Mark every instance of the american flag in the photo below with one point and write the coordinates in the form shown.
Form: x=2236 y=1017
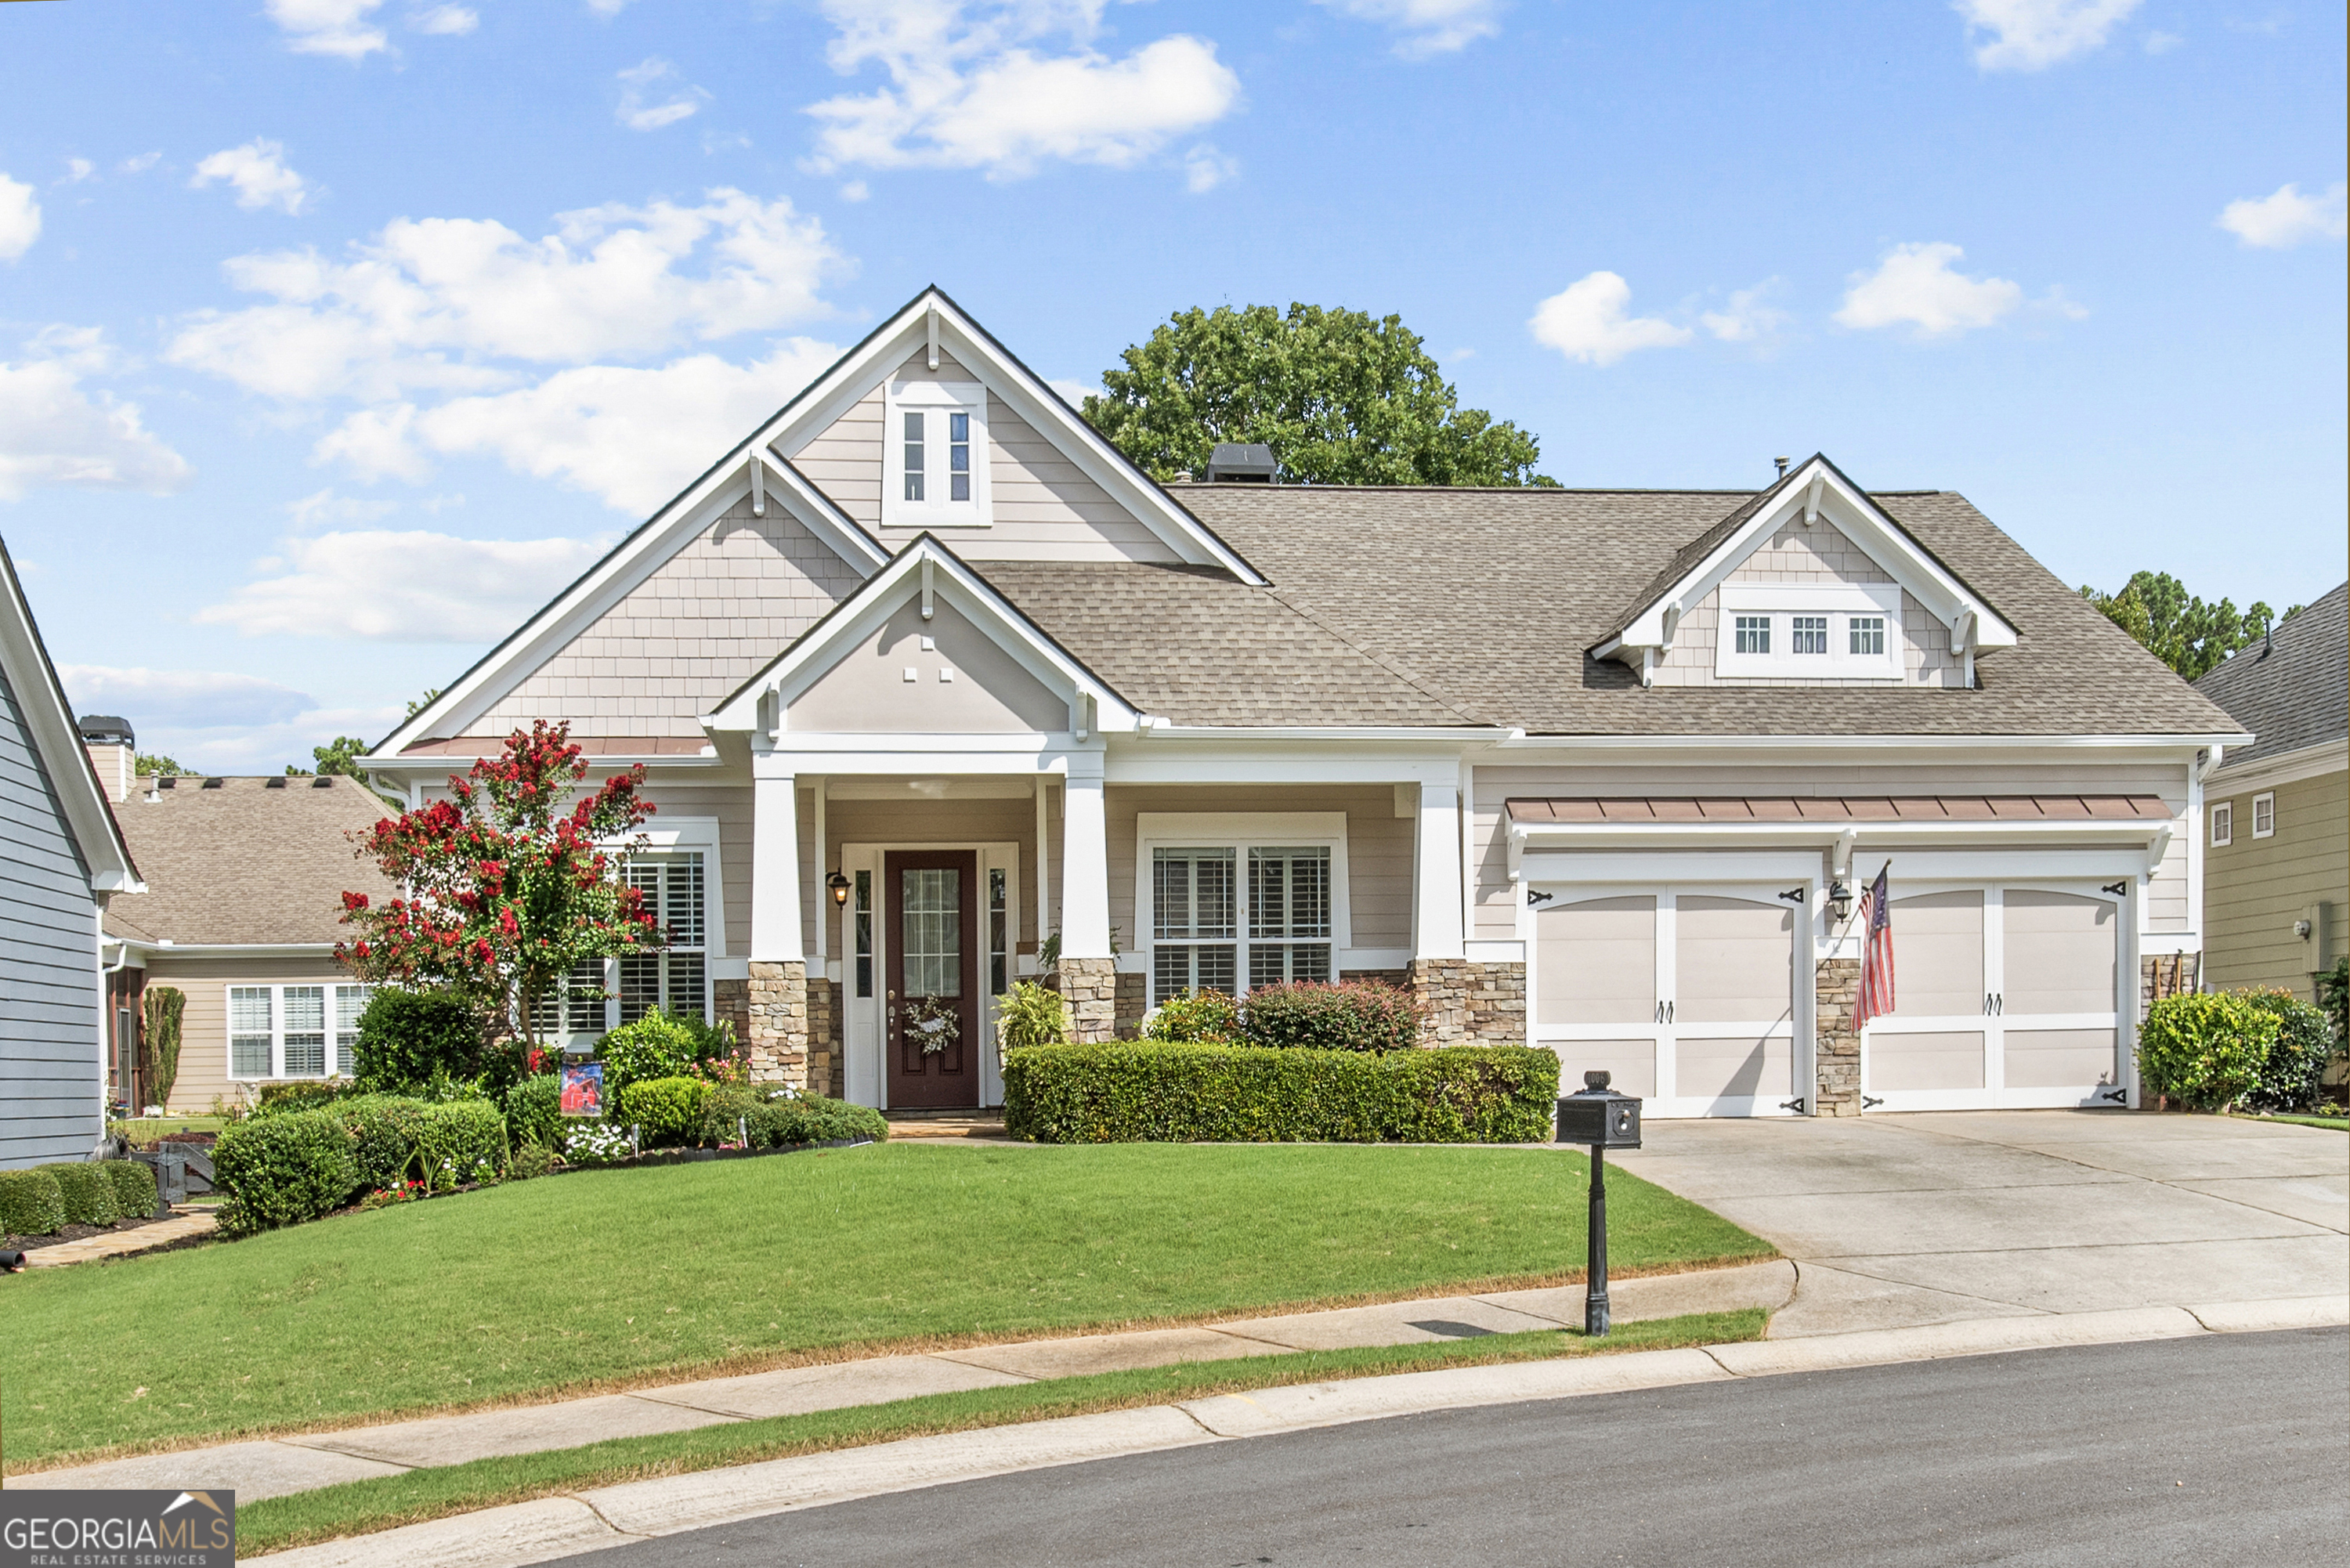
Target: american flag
x=1876 y=951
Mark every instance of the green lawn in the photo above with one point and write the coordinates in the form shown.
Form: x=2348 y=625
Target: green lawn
x=358 y=1508
x=2331 y=1124
x=616 y=1277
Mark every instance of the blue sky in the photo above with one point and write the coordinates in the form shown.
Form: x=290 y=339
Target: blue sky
x=335 y=335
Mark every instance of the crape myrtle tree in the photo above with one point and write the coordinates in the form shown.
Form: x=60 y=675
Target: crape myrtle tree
x=507 y=890
x=1341 y=397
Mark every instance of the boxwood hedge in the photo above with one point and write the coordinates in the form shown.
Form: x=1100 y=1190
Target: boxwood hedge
x=1138 y=1092
x=30 y=1203
x=283 y=1169
x=780 y=1121
x=88 y=1194
x=134 y=1186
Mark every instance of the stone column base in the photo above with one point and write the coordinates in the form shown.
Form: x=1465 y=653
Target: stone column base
x=1470 y=1004
x=730 y=1001
x=778 y=1035
x=1835 y=993
x=1090 y=988
x=825 y=1064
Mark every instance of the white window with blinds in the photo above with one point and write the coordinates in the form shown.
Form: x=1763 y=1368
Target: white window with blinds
x=936 y=455
x=1232 y=903
x=678 y=876
x=294 y=1030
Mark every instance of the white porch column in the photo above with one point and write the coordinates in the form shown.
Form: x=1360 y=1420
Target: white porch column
x=1436 y=874
x=1085 y=864
x=775 y=933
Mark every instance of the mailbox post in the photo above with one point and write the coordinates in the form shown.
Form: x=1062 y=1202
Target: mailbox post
x=1600 y=1119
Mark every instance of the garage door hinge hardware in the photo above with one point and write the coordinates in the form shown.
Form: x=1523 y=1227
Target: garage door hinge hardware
x=1796 y=1106
x=1534 y=898
x=2118 y=1094
x=1869 y=1100
x=2118 y=889
x=1795 y=895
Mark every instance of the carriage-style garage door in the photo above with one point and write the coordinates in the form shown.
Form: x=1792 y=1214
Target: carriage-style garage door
x=2007 y=994
x=1685 y=995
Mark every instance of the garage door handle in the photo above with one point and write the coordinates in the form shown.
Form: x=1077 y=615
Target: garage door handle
x=1664 y=1012
x=1993 y=1004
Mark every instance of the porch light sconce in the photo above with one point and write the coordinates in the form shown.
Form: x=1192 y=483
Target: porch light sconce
x=1534 y=899
x=1795 y=895
x=1839 y=900
x=839 y=885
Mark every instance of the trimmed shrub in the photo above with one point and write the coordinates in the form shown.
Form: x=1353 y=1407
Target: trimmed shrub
x=1208 y=1015
x=1201 y=1092
x=461 y=1143
x=2295 y=1066
x=88 y=1191
x=667 y=1111
x=281 y=1170
x=414 y=1040
x=655 y=1046
x=383 y=1129
x=30 y=1203
x=135 y=1193
x=780 y=1120
x=2205 y=1049
x=299 y=1095
x=1353 y=1015
x=534 y=1113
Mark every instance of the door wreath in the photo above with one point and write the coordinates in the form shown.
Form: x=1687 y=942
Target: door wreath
x=934 y=1022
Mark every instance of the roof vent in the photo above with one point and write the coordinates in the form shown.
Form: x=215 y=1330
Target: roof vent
x=166 y=781
x=324 y=781
x=1239 y=462
x=1782 y=466
x=278 y=783
x=215 y=783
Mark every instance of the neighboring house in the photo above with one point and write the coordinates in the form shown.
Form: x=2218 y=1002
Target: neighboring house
x=61 y=861
x=2276 y=868
x=241 y=913
x=932 y=687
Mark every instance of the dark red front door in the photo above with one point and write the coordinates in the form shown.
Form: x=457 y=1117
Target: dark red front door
x=932 y=1004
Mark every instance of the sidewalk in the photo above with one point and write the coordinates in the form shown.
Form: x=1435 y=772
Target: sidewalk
x=186 y=1220
x=275 y=1466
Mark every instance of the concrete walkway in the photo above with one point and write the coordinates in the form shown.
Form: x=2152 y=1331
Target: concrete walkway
x=272 y=1467
x=1897 y=1220
x=186 y=1220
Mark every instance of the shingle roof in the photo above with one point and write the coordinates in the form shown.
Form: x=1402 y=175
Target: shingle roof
x=1196 y=645
x=245 y=863
x=2294 y=691
x=1485 y=600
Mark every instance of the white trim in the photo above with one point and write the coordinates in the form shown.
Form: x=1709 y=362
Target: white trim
x=2222 y=814
x=863 y=1074
x=2284 y=768
x=2264 y=803
x=1778 y=604
x=936 y=509
x=1242 y=831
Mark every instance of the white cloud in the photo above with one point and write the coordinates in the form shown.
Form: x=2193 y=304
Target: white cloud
x=78 y=169
x=1586 y=321
x=855 y=191
x=323 y=507
x=428 y=303
x=181 y=699
x=53 y=432
x=140 y=164
x=631 y=437
x=1204 y=169
x=1916 y=286
x=2033 y=35
x=447 y=21
x=337 y=28
x=1074 y=392
x=259 y=174
x=1746 y=319
x=967 y=91
x=607 y=8
x=2288 y=218
x=401 y=587
x=640 y=84
x=1429 y=26
x=2162 y=43
x=20 y=218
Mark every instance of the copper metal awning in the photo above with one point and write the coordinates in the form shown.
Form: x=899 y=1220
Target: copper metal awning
x=1813 y=811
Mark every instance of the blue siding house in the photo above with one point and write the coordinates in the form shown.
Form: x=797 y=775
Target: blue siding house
x=61 y=858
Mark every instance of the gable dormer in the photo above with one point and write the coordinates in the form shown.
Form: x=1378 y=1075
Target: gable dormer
x=1811 y=583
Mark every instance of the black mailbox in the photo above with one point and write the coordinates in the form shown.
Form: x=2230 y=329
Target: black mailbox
x=1599 y=1116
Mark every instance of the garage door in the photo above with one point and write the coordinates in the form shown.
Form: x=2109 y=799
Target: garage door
x=2008 y=994
x=1685 y=995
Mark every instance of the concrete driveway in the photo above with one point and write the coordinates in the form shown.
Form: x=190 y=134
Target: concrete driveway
x=1897 y=1221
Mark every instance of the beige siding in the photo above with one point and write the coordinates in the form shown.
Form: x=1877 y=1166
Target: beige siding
x=204 y=1024
x=2255 y=888
x=967 y=685
x=1820 y=553
x=1042 y=505
x=708 y=618
x=1496 y=911
x=1378 y=848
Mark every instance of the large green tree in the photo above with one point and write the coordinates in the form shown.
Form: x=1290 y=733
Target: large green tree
x=2183 y=632
x=1341 y=398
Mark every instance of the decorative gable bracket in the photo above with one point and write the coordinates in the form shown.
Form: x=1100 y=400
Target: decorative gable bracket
x=1814 y=492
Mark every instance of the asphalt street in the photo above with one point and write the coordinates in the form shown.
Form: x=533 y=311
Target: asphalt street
x=2225 y=1450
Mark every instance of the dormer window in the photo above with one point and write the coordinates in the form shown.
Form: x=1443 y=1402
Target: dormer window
x=1809 y=630
x=936 y=455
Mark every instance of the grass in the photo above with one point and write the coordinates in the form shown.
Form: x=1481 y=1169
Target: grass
x=617 y=1279
x=2335 y=1123
x=146 y=1129
x=362 y=1507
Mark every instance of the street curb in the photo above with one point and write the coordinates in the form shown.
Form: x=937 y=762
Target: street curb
x=552 y=1527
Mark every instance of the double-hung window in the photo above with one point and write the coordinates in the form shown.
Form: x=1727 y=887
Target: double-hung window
x=1233 y=917
x=675 y=979
x=294 y=1030
x=2223 y=823
x=937 y=455
x=2264 y=815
